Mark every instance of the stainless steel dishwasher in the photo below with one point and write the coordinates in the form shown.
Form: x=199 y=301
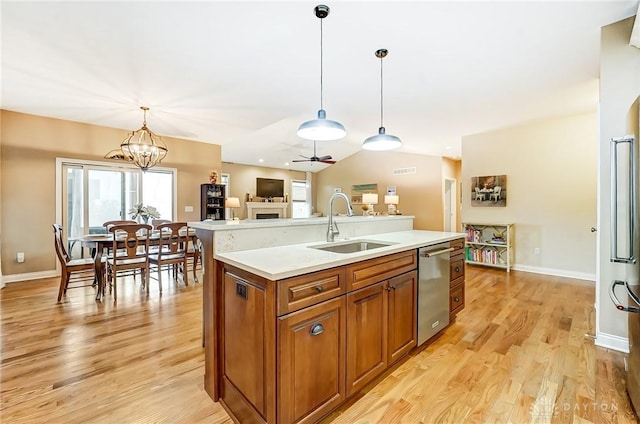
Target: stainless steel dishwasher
x=433 y=290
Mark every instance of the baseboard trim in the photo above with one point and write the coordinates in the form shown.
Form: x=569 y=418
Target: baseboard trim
x=610 y=341
x=16 y=278
x=556 y=272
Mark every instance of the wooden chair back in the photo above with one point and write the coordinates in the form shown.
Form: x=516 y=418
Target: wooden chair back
x=136 y=239
x=109 y=224
x=61 y=251
x=172 y=249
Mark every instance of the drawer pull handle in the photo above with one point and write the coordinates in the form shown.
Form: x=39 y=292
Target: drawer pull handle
x=457 y=269
x=317 y=329
x=457 y=299
x=319 y=289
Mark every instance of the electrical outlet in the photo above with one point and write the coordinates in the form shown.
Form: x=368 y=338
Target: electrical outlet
x=536 y=251
x=20 y=257
x=188 y=208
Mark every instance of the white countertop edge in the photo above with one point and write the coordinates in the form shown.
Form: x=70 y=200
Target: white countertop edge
x=286 y=222
x=276 y=263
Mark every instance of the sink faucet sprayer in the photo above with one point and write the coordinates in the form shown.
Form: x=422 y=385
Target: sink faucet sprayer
x=331 y=232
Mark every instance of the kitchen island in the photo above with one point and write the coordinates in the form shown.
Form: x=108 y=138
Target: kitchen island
x=278 y=316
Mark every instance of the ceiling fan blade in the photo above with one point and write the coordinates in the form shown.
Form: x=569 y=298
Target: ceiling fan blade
x=330 y=162
x=306 y=157
x=301 y=160
x=323 y=158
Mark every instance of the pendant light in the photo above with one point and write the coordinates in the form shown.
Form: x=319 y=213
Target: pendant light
x=144 y=147
x=381 y=141
x=321 y=129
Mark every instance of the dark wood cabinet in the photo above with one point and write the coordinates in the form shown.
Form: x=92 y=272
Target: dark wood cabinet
x=367 y=330
x=292 y=350
x=456 y=283
x=311 y=350
x=212 y=201
x=402 y=310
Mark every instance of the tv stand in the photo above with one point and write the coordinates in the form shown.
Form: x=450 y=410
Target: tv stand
x=255 y=208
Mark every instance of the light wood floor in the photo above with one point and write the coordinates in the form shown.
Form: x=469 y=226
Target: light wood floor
x=517 y=353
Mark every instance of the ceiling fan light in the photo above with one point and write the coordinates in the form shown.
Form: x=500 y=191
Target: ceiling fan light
x=381 y=141
x=321 y=129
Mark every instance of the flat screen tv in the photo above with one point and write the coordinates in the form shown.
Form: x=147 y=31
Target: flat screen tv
x=268 y=187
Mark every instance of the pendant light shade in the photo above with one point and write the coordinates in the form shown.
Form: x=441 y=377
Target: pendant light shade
x=144 y=147
x=381 y=141
x=321 y=129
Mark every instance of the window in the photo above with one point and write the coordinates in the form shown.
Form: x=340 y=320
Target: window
x=94 y=192
x=300 y=207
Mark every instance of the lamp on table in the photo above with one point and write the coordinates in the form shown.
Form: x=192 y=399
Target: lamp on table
x=232 y=203
x=391 y=200
x=370 y=199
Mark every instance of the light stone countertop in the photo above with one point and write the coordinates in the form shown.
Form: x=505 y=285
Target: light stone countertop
x=275 y=263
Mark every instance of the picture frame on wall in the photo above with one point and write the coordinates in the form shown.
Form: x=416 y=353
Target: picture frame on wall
x=489 y=191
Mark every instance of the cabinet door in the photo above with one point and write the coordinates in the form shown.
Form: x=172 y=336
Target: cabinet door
x=402 y=315
x=311 y=358
x=367 y=335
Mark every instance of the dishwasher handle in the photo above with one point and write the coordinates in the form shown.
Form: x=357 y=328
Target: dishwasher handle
x=437 y=252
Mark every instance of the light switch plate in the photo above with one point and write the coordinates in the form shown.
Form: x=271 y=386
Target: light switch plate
x=188 y=208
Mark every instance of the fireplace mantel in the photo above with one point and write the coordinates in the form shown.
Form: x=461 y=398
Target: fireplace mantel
x=255 y=208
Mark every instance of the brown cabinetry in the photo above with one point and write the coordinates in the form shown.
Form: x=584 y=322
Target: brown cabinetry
x=292 y=350
x=212 y=201
x=311 y=349
x=456 y=285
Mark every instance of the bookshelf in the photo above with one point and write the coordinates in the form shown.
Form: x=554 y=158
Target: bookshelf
x=489 y=244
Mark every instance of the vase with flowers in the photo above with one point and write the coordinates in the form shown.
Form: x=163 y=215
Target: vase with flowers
x=142 y=213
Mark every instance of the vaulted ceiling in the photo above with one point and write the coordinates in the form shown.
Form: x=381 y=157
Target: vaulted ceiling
x=246 y=74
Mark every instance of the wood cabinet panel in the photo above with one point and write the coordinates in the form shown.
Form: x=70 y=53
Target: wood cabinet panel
x=456 y=265
x=247 y=348
x=402 y=309
x=312 y=361
x=367 y=330
x=456 y=299
x=371 y=271
x=305 y=290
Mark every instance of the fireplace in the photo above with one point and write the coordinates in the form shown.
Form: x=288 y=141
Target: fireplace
x=267 y=215
x=264 y=210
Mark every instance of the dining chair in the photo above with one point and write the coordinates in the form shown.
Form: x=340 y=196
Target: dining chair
x=131 y=241
x=194 y=255
x=172 y=250
x=479 y=194
x=73 y=270
x=496 y=193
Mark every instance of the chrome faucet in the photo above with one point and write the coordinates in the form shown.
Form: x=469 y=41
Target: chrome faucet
x=331 y=232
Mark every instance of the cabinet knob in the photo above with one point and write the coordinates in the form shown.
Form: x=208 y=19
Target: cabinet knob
x=316 y=330
x=457 y=299
x=319 y=289
x=457 y=269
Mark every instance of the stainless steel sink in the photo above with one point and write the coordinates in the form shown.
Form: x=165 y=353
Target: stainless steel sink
x=352 y=246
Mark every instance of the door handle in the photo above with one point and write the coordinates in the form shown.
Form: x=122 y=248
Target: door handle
x=593 y=229
x=316 y=330
x=437 y=252
x=632 y=295
x=631 y=258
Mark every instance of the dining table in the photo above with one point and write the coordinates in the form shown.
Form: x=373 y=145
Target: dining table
x=98 y=243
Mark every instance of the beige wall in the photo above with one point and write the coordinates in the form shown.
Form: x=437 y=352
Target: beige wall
x=421 y=194
x=29 y=146
x=619 y=87
x=242 y=181
x=551 y=168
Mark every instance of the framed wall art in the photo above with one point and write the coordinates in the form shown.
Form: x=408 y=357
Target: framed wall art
x=490 y=191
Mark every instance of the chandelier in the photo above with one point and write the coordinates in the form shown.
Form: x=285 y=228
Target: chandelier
x=143 y=147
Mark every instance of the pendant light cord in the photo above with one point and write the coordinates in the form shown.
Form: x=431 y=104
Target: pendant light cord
x=381 y=102
x=321 y=66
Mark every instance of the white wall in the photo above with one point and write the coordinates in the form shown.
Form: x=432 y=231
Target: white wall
x=551 y=191
x=619 y=87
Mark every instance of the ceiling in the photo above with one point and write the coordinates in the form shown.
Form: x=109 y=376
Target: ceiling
x=246 y=74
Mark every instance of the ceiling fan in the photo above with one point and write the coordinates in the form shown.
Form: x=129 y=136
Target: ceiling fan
x=315 y=158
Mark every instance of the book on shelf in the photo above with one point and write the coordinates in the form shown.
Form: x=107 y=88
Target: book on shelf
x=498 y=241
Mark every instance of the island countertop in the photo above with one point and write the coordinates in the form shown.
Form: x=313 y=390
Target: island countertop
x=275 y=263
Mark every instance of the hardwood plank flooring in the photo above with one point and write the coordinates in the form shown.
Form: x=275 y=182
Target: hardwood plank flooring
x=516 y=354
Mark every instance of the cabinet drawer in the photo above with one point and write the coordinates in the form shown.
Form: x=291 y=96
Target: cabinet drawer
x=458 y=247
x=456 y=268
x=365 y=273
x=305 y=290
x=456 y=299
